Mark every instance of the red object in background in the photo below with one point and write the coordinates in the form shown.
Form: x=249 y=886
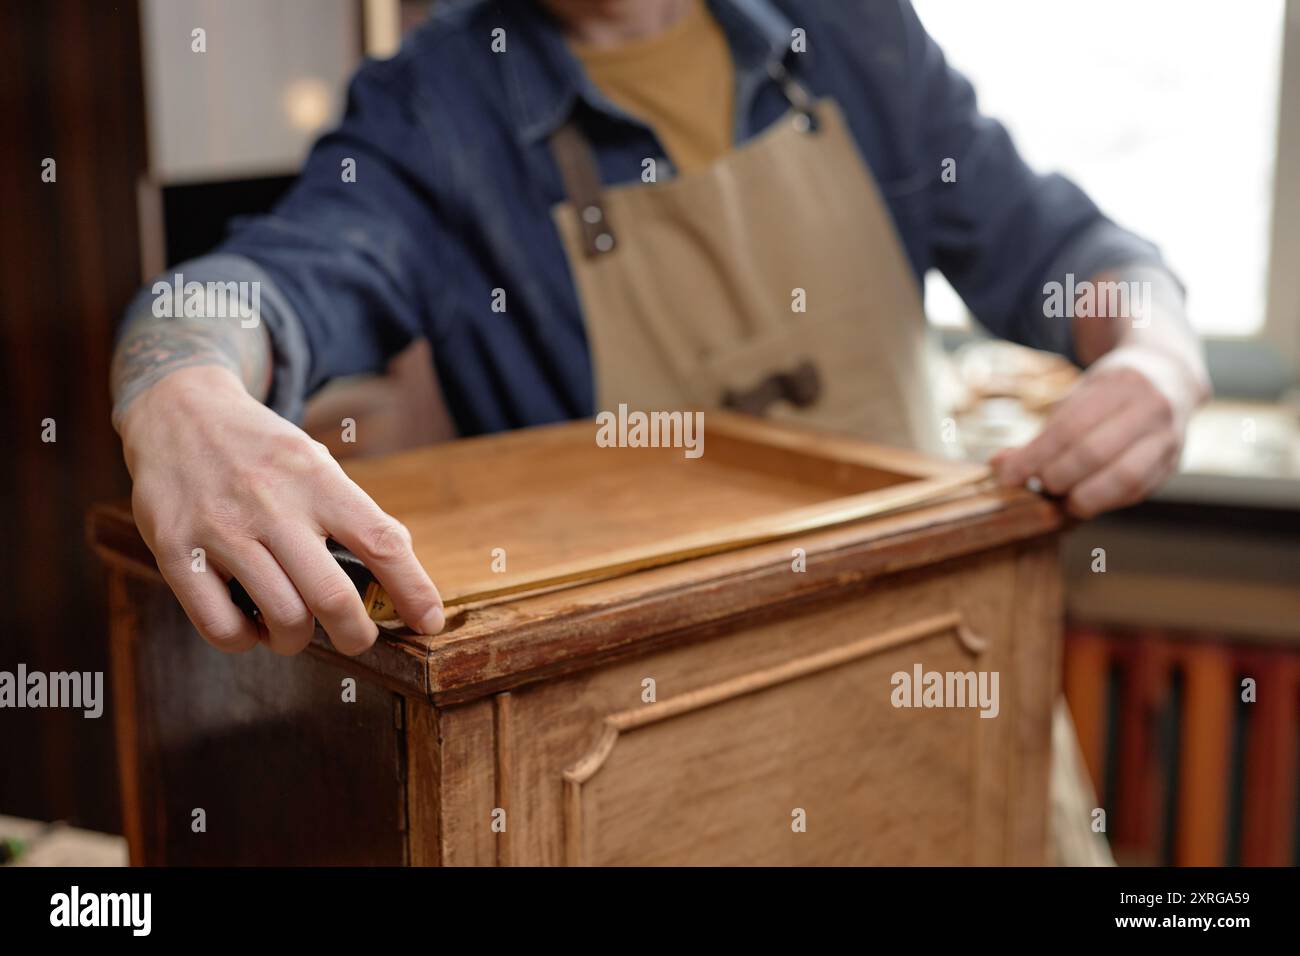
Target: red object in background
x=1188 y=772
x=1272 y=777
x=1205 y=745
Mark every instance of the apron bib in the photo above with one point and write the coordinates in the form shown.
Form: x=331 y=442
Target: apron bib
x=772 y=282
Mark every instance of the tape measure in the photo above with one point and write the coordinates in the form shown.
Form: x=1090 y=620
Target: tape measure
x=379 y=606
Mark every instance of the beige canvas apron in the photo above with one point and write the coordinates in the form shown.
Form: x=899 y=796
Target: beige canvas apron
x=772 y=282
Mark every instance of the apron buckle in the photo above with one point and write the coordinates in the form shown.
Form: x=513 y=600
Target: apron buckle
x=801 y=386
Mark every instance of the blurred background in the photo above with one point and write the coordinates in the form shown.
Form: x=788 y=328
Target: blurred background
x=1182 y=120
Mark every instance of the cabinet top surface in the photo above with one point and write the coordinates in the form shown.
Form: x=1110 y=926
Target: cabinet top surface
x=543 y=534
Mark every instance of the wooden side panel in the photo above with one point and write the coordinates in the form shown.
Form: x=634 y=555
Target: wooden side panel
x=1035 y=661
x=795 y=714
x=453 y=782
x=423 y=780
x=285 y=770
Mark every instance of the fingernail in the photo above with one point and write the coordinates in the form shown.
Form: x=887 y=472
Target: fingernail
x=433 y=621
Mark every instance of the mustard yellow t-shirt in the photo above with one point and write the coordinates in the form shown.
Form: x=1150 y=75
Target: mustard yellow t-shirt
x=680 y=82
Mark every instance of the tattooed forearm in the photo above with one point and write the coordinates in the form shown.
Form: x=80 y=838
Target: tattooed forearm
x=153 y=347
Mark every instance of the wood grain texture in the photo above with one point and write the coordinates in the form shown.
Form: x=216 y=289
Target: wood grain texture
x=499 y=646
x=610 y=511
x=791 y=712
x=467 y=785
x=1036 y=627
x=71 y=91
x=285 y=769
x=732 y=728
x=423 y=785
x=495 y=645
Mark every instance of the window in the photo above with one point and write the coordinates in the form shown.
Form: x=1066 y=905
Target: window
x=1165 y=111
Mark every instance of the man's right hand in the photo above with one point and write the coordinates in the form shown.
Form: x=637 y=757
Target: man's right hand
x=215 y=469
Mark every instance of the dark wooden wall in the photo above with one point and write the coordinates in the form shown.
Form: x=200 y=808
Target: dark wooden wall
x=69 y=261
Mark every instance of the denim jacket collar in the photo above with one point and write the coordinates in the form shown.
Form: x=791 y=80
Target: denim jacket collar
x=545 y=79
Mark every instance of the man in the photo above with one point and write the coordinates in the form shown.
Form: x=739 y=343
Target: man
x=585 y=202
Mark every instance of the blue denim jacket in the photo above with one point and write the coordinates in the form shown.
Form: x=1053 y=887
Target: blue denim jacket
x=455 y=182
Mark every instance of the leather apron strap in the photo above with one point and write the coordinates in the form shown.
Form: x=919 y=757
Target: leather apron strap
x=580 y=172
x=577 y=163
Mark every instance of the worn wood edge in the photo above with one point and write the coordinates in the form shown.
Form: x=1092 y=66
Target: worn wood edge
x=839 y=446
x=964 y=508
x=398 y=661
x=452 y=667
x=725 y=538
x=535 y=639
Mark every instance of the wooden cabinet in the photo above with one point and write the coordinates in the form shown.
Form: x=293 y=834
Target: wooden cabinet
x=680 y=661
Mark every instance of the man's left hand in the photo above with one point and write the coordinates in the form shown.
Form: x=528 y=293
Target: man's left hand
x=1109 y=444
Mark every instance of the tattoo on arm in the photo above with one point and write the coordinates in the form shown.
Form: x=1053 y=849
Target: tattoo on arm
x=153 y=347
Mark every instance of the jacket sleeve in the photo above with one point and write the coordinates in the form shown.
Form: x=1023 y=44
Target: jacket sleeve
x=348 y=257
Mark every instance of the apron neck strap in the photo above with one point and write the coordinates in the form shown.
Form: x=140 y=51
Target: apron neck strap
x=577 y=163
x=581 y=175
x=795 y=92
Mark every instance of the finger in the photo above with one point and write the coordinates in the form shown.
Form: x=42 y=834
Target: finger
x=281 y=609
x=384 y=545
x=1079 y=414
x=1096 y=449
x=1129 y=479
x=206 y=601
x=326 y=589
